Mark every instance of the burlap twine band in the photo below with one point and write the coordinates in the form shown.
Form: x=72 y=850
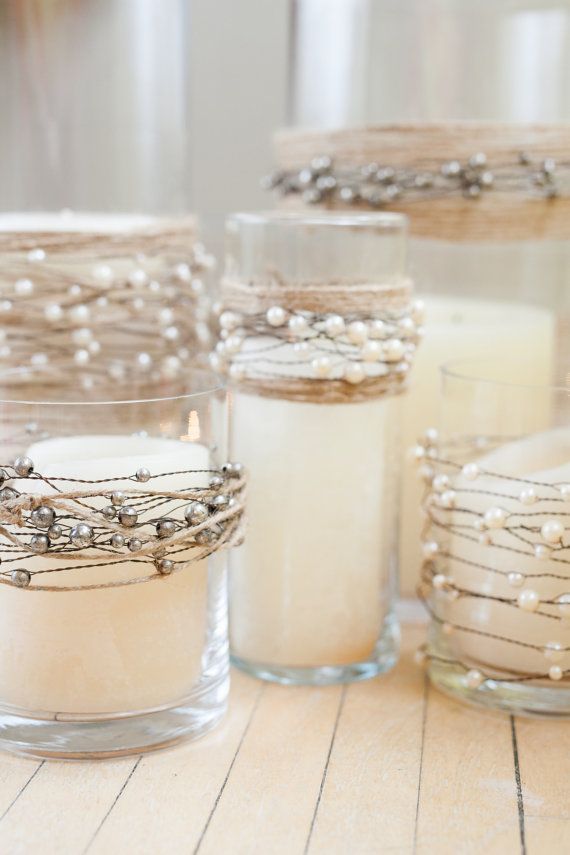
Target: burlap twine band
x=494 y=216
x=250 y=300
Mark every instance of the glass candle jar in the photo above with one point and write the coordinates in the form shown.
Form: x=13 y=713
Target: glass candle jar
x=113 y=621
x=496 y=540
x=317 y=339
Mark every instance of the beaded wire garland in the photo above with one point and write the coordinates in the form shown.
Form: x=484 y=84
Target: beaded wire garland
x=379 y=185
x=101 y=309
x=454 y=515
x=304 y=346
x=129 y=535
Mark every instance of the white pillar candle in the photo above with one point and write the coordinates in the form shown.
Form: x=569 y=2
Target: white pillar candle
x=542 y=458
x=310 y=586
x=460 y=328
x=115 y=649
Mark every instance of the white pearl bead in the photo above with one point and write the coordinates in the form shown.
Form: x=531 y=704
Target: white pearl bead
x=474 y=679
x=407 y=326
x=53 y=312
x=233 y=344
x=138 y=304
x=426 y=473
x=354 y=373
x=221 y=348
x=470 y=471
x=439 y=581
x=144 y=361
x=154 y=286
x=430 y=548
x=527 y=496
x=440 y=483
x=75 y=290
x=102 y=302
x=528 y=600
x=5 y=351
x=371 y=351
x=183 y=273
x=542 y=552
x=554 y=651
x=81 y=357
x=166 y=316
x=82 y=336
x=24 y=287
x=137 y=278
x=5 y=306
x=171 y=366
x=229 y=320
x=376 y=329
x=37 y=254
x=485 y=539
x=447 y=499
x=418 y=311
x=495 y=518
x=334 y=325
x=276 y=316
x=171 y=333
x=394 y=350
x=321 y=366
x=432 y=435
x=39 y=359
x=79 y=313
x=298 y=325
x=552 y=531
x=515 y=580
x=479 y=524
x=565 y=491
x=301 y=349
x=237 y=371
x=94 y=348
x=357 y=332
x=555 y=672
x=563 y=603
x=103 y=274
x=418 y=452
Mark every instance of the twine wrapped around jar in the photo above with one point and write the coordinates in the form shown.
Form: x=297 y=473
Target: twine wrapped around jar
x=456 y=181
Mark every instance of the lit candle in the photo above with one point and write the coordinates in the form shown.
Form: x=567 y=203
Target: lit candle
x=112 y=649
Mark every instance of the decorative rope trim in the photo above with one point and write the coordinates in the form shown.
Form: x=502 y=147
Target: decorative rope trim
x=108 y=529
x=93 y=310
x=515 y=185
x=309 y=352
x=514 y=521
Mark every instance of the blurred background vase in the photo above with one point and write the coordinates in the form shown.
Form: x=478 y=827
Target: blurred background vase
x=499 y=65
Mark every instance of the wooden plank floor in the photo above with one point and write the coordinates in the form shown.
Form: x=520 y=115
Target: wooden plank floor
x=388 y=765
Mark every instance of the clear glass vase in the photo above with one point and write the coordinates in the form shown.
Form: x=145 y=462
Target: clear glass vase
x=113 y=625
x=497 y=540
x=312 y=589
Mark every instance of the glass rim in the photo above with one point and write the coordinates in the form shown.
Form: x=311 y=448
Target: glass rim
x=209 y=389
x=452 y=370
x=385 y=219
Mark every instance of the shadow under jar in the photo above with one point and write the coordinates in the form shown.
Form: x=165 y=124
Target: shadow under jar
x=496 y=574
x=317 y=338
x=113 y=612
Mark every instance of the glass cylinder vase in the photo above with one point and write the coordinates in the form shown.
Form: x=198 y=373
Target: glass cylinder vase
x=317 y=337
x=496 y=540
x=114 y=518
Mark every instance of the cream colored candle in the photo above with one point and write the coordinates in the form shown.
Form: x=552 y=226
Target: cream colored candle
x=516 y=575
x=460 y=328
x=116 y=649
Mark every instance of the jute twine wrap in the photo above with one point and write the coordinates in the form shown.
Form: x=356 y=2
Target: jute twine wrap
x=347 y=299
x=492 y=217
x=92 y=309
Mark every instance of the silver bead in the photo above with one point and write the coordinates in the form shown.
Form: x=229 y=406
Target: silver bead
x=216 y=481
x=165 y=566
x=128 y=516
x=220 y=502
x=117 y=541
x=54 y=532
x=233 y=470
x=205 y=537
x=21 y=578
x=81 y=535
x=42 y=517
x=117 y=498
x=142 y=474
x=7 y=494
x=23 y=466
x=135 y=544
x=196 y=513
x=39 y=543
x=165 y=528
x=109 y=512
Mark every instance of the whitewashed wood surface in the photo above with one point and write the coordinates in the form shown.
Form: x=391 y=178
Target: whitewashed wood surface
x=388 y=765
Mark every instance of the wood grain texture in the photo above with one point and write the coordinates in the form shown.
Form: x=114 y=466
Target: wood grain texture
x=388 y=765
